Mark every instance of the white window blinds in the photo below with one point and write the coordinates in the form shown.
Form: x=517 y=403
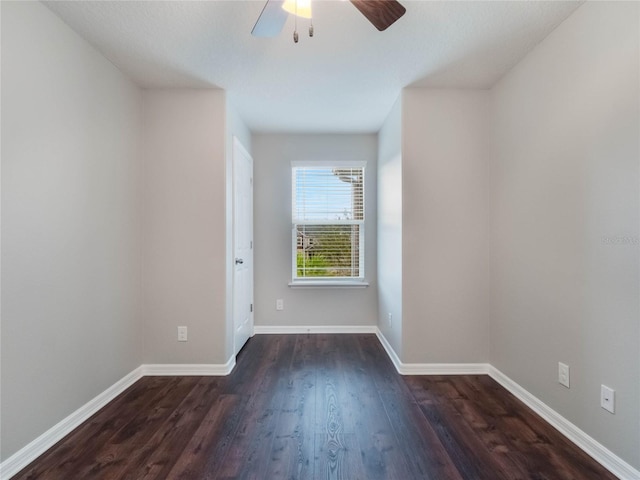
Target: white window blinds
x=328 y=222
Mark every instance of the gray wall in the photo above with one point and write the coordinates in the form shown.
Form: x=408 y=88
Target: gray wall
x=71 y=271
x=273 y=154
x=390 y=228
x=184 y=225
x=445 y=213
x=563 y=205
x=564 y=197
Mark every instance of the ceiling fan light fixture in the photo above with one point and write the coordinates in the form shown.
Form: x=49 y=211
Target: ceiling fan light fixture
x=300 y=8
x=380 y=13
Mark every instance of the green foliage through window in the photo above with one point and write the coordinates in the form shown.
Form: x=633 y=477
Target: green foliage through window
x=328 y=250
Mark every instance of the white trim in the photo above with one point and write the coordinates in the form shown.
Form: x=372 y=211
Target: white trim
x=48 y=439
x=296 y=222
x=186 y=370
x=445 y=369
x=589 y=445
x=238 y=147
x=297 y=329
x=329 y=163
x=431 y=368
x=389 y=349
x=37 y=447
x=329 y=283
x=592 y=447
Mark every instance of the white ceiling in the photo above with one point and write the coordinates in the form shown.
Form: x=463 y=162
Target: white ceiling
x=344 y=79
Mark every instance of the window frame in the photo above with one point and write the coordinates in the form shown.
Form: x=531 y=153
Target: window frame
x=348 y=281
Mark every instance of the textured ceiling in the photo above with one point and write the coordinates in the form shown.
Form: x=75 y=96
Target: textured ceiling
x=344 y=79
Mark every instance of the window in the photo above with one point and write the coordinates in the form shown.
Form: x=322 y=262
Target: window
x=328 y=222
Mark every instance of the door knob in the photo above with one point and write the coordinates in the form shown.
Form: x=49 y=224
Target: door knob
x=239 y=261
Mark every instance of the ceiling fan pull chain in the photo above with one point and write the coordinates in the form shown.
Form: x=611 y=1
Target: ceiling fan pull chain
x=295 y=25
x=311 y=27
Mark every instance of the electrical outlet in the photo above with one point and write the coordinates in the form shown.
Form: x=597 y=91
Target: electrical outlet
x=607 y=398
x=182 y=334
x=390 y=318
x=279 y=304
x=563 y=374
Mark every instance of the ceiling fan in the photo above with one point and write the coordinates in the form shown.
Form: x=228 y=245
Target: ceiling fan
x=381 y=13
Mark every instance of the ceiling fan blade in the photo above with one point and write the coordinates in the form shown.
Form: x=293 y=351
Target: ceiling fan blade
x=382 y=13
x=271 y=19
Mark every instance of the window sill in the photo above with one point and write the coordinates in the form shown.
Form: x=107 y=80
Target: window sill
x=328 y=284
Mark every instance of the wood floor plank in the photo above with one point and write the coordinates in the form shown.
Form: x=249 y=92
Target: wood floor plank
x=203 y=455
x=380 y=453
x=123 y=451
x=376 y=364
x=332 y=454
x=159 y=453
x=494 y=417
x=300 y=407
x=479 y=449
x=471 y=456
x=104 y=463
x=337 y=458
x=293 y=448
x=546 y=448
x=426 y=456
x=248 y=455
x=333 y=412
x=74 y=453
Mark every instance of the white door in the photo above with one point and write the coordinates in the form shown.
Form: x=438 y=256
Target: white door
x=242 y=245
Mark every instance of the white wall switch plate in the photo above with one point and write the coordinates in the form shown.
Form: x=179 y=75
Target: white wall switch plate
x=607 y=398
x=279 y=304
x=563 y=374
x=182 y=334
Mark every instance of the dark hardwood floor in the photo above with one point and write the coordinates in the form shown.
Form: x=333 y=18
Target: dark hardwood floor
x=315 y=407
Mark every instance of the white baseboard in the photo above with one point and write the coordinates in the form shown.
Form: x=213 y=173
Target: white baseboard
x=37 y=447
x=444 y=369
x=195 y=370
x=431 y=368
x=599 y=452
x=297 y=329
x=592 y=447
x=393 y=356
